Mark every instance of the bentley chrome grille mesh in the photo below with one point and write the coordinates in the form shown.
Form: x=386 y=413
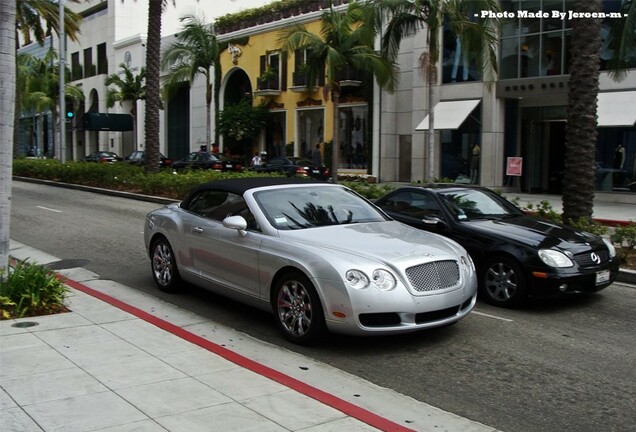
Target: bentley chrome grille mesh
x=436 y=275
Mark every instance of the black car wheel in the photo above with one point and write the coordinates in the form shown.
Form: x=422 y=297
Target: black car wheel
x=164 y=266
x=298 y=310
x=503 y=282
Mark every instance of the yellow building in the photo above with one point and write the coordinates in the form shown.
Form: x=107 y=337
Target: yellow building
x=253 y=66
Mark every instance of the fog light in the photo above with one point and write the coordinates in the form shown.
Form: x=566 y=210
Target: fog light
x=563 y=288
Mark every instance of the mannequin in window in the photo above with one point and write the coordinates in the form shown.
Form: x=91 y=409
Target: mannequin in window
x=463 y=55
x=619 y=157
x=474 y=164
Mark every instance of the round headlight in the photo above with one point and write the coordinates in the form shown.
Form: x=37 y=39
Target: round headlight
x=555 y=258
x=610 y=246
x=383 y=280
x=357 y=279
x=468 y=262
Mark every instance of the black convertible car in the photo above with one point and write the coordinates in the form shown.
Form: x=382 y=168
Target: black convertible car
x=517 y=255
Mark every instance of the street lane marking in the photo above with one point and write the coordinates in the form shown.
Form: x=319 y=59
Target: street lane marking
x=492 y=316
x=49 y=209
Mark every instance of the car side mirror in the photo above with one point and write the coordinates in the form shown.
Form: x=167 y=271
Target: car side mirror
x=434 y=220
x=236 y=222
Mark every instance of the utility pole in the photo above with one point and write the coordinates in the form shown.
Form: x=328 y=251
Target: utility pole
x=61 y=70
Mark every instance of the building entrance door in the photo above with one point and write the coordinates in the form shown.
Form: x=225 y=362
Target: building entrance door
x=545 y=153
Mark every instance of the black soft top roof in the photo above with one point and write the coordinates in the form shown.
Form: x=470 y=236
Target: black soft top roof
x=240 y=185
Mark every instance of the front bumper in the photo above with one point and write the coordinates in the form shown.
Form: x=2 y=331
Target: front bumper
x=584 y=282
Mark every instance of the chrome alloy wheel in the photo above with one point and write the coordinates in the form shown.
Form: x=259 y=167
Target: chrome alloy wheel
x=162 y=263
x=294 y=308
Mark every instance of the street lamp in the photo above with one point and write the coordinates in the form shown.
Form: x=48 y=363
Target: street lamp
x=61 y=69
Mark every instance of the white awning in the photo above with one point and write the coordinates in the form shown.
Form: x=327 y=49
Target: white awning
x=450 y=114
x=616 y=109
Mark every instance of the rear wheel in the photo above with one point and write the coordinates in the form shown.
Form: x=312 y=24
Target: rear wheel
x=298 y=310
x=164 y=265
x=503 y=282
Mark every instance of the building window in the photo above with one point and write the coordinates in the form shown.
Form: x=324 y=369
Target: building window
x=355 y=143
x=76 y=67
x=102 y=61
x=532 y=47
x=301 y=72
x=310 y=130
x=89 y=67
x=458 y=161
x=273 y=71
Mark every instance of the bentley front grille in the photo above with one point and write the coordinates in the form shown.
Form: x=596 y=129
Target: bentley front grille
x=436 y=275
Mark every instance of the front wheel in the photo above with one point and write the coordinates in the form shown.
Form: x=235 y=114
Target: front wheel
x=164 y=265
x=503 y=282
x=298 y=310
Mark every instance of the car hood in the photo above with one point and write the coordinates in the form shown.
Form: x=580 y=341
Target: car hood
x=535 y=232
x=383 y=241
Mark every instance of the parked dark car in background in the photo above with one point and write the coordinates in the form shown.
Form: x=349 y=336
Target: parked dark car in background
x=293 y=167
x=200 y=160
x=103 y=157
x=139 y=158
x=516 y=255
x=229 y=164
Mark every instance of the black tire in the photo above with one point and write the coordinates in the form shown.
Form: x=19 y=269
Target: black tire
x=164 y=266
x=502 y=282
x=297 y=309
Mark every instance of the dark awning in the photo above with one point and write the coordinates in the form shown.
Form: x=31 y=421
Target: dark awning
x=107 y=122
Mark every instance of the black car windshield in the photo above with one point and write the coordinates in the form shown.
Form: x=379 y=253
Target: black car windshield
x=314 y=206
x=471 y=204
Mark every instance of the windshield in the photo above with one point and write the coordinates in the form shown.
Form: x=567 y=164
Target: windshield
x=470 y=204
x=315 y=206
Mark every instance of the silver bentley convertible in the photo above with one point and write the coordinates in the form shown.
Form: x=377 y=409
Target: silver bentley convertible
x=317 y=255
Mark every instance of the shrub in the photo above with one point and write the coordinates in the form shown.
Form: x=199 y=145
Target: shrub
x=624 y=237
x=30 y=290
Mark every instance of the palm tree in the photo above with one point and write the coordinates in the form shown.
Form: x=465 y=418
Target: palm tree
x=408 y=17
x=581 y=133
x=130 y=88
x=345 y=42
x=44 y=89
x=196 y=52
x=153 y=101
x=32 y=14
x=30 y=17
x=7 y=124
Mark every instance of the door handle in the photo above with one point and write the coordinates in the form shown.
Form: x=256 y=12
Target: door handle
x=197 y=230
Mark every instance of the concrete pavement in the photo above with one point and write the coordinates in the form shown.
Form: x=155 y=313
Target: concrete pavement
x=123 y=361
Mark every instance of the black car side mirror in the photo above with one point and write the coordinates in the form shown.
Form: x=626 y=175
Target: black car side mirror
x=434 y=220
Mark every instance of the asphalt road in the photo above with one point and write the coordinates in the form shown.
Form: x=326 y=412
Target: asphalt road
x=565 y=365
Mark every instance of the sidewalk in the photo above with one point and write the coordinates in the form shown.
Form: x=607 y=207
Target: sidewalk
x=124 y=361
x=603 y=211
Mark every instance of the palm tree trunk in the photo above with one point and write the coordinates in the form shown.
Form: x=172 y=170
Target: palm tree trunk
x=581 y=134
x=335 y=147
x=431 y=127
x=208 y=113
x=7 y=123
x=153 y=56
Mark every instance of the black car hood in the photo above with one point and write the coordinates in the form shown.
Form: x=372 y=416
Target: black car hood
x=539 y=233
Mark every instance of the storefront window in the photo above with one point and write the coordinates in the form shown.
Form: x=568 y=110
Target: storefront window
x=460 y=160
x=310 y=130
x=355 y=143
x=616 y=160
x=275 y=136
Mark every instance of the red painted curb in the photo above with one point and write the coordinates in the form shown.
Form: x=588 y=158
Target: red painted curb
x=341 y=405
